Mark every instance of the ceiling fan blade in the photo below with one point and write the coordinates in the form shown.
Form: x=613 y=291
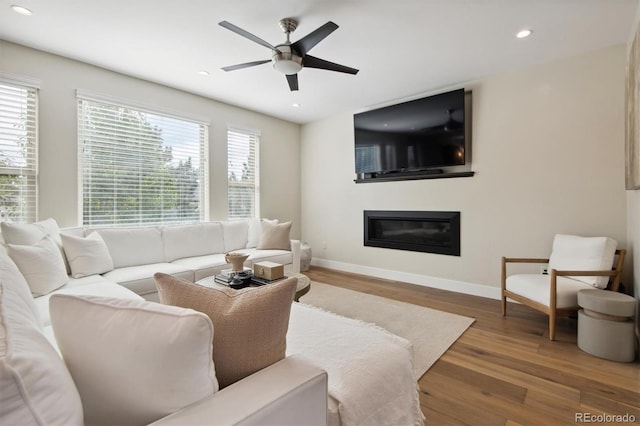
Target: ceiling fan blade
x=245 y=65
x=313 y=62
x=307 y=42
x=245 y=34
x=292 y=79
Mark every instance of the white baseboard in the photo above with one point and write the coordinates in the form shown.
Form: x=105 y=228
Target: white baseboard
x=423 y=280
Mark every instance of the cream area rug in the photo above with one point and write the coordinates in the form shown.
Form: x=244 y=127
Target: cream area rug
x=430 y=331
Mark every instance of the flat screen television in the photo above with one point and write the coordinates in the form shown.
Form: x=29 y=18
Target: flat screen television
x=420 y=135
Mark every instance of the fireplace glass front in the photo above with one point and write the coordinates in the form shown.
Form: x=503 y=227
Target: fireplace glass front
x=424 y=231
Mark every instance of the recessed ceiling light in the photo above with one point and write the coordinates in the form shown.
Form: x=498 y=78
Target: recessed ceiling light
x=203 y=72
x=524 y=33
x=295 y=105
x=21 y=10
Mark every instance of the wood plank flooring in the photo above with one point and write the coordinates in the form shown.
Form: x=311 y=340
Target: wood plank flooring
x=505 y=370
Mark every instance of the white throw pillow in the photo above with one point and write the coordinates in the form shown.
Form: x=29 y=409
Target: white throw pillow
x=87 y=256
x=574 y=253
x=135 y=361
x=27 y=234
x=35 y=385
x=41 y=264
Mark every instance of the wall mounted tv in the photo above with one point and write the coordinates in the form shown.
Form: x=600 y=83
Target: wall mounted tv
x=412 y=140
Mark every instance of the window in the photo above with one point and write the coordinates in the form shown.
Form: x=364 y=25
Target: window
x=243 y=182
x=139 y=167
x=18 y=150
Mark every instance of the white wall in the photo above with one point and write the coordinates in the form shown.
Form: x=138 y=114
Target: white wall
x=548 y=152
x=60 y=77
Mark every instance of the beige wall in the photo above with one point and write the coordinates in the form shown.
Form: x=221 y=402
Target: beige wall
x=60 y=77
x=633 y=216
x=548 y=152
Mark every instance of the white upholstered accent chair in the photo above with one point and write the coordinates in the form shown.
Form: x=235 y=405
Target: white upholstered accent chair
x=575 y=263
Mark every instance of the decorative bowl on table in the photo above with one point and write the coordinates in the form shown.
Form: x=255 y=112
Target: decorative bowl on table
x=236 y=260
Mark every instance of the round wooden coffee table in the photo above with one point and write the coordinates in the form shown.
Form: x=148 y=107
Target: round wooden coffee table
x=303 y=287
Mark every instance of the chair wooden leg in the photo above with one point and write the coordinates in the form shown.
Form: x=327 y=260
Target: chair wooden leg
x=552 y=326
x=503 y=286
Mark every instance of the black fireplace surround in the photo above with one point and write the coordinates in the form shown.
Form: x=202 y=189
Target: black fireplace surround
x=424 y=231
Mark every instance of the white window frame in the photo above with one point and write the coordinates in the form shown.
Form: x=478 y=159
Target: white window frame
x=20 y=96
x=96 y=100
x=243 y=145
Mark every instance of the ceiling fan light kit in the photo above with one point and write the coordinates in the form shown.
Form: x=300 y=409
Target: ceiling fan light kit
x=285 y=61
x=289 y=58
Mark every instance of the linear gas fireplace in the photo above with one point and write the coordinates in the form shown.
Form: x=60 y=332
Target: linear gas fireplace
x=425 y=231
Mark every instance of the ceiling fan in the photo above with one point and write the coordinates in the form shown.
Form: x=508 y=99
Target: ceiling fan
x=289 y=58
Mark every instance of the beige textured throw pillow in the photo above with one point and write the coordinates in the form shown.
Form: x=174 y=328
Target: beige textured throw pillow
x=250 y=325
x=275 y=236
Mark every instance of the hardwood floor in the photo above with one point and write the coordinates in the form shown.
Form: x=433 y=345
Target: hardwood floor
x=505 y=370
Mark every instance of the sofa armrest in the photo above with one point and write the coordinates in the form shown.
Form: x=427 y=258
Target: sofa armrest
x=290 y=392
x=295 y=256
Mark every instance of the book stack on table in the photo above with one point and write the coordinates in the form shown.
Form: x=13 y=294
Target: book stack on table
x=226 y=275
x=262 y=281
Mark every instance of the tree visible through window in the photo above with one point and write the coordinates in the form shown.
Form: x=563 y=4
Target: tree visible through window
x=243 y=182
x=18 y=152
x=140 y=168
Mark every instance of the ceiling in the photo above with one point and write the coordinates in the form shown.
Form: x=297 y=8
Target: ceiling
x=402 y=48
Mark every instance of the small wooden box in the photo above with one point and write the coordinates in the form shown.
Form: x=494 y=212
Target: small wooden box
x=268 y=270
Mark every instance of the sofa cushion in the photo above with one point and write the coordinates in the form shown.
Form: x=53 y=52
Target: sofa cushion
x=102 y=287
x=41 y=264
x=283 y=257
x=87 y=256
x=10 y=275
x=275 y=236
x=250 y=324
x=203 y=266
x=133 y=246
x=27 y=234
x=36 y=387
x=574 y=253
x=135 y=361
x=139 y=279
x=197 y=239
x=236 y=233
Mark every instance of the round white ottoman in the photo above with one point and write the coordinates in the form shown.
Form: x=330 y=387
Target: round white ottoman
x=605 y=324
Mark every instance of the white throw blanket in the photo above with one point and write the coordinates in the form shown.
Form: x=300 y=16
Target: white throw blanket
x=370 y=370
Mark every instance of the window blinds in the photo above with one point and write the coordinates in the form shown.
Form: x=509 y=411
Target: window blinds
x=139 y=167
x=18 y=152
x=242 y=172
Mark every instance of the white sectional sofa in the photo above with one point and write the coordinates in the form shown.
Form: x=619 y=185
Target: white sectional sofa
x=37 y=389
x=191 y=252
x=332 y=364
